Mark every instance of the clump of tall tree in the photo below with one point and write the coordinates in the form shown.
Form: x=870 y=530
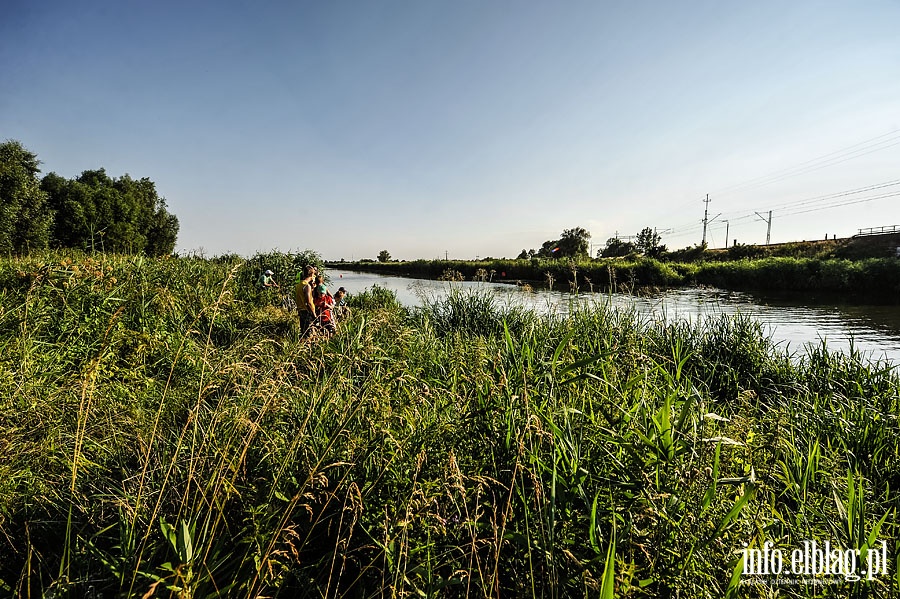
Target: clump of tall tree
x=646 y=242
x=616 y=247
x=573 y=243
x=95 y=211
x=92 y=212
x=25 y=215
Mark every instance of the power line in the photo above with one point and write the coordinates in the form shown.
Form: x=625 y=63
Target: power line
x=839 y=194
x=823 y=202
x=826 y=198
x=821 y=166
x=805 y=206
x=842 y=204
x=677 y=233
x=869 y=146
x=738 y=215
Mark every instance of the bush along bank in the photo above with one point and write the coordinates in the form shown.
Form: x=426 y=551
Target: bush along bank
x=873 y=277
x=165 y=437
x=878 y=277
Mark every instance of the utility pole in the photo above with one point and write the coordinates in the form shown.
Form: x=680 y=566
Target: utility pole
x=768 y=221
x=446 y=253
x=727 y=225
x=705 y=214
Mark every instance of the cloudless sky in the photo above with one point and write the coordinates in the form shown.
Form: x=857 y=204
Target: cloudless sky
x=468 y=127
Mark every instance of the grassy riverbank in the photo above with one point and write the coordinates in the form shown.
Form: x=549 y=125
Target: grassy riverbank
x=873 y=278
x=166 y=433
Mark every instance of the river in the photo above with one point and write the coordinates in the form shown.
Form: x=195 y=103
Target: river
x=793 y=323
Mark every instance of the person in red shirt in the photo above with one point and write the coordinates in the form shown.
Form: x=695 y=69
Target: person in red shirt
x=324 y=305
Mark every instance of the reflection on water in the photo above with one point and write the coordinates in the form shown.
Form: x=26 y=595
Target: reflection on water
x=874 y=330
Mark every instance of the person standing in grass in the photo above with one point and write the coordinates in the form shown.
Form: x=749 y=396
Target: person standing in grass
x=267 y=280
x=267 y=284
x=321 y=289
x=303 y=295
x=325 y=303
x=341 y=309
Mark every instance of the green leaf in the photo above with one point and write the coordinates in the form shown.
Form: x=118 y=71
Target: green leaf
x=711 y=491
x=734 y=584
x=608 y=583
x=592 y=532
x=559 y=349
x=749 y=494
x=584 y=362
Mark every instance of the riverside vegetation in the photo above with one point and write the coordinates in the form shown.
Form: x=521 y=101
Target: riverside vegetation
x=872 y=277
x=166 y=433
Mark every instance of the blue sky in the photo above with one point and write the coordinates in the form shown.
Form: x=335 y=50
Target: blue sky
x=468 y=127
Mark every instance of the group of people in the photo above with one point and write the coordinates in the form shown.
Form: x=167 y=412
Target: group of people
x=316 y=306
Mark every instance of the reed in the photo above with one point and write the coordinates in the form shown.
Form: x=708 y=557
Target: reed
x=166 y=432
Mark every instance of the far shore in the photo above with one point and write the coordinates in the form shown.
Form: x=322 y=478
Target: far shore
x=871 y=278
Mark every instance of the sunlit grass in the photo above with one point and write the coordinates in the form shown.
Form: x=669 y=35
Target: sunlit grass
x=167 y=431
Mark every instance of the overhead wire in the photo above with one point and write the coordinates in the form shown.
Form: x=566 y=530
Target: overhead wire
x=848 y=153
x=806 y=205
x=815 y=200
x=798 y=209
x=842 y=204
x=830 y=196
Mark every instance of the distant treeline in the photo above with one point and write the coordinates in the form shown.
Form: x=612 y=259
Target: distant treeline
x=91 y=212
x=873 y=276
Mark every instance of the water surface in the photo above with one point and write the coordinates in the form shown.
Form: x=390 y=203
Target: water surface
x=793 y=323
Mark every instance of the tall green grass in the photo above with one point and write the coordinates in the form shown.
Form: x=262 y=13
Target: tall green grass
x=168 y=433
